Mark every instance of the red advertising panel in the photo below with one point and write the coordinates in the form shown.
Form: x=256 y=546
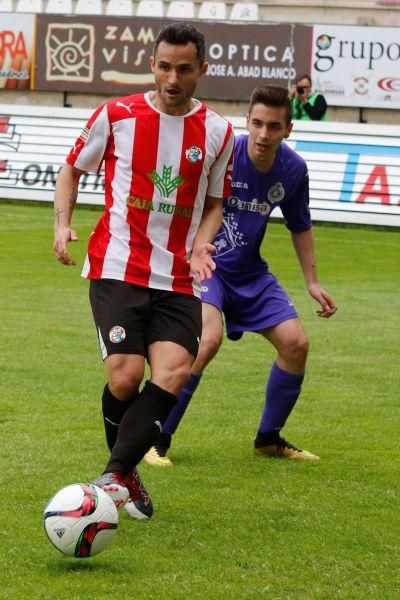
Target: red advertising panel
x=16 y=50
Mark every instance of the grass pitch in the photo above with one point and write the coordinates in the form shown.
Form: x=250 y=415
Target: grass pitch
x=227 y=524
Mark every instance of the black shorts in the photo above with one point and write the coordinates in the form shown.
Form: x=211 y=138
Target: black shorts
x=129 y=317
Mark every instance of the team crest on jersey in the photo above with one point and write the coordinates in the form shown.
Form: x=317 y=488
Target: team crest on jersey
x=193 y=154
x=276 y=193
x=117 y=334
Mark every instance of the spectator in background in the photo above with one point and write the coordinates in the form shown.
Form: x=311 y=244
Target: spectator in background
x=307 y=105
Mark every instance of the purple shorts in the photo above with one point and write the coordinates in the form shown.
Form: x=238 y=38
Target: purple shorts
x=251 y=305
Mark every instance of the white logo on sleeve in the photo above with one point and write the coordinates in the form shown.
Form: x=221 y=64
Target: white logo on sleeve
x=127 y=106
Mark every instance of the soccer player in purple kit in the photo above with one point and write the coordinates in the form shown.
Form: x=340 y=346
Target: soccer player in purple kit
x=267 y=173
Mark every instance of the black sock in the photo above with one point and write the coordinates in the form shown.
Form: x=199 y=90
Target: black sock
x=113 y=411
x=140 y=427
x=164 y=441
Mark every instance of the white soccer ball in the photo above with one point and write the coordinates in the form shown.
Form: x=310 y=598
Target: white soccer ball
x=80 y=520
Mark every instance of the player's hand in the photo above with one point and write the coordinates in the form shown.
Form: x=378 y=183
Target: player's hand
x=201 y=263
x=328 y=307
x=292 y=92
x=62 y=236
x=302 y=97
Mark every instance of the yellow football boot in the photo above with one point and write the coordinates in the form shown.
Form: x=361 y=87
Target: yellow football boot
x=278 y=447
x=157 y=457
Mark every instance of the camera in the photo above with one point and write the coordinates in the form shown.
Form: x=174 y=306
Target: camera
x=300 y=89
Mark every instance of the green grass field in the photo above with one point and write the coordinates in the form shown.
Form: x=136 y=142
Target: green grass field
x=227 y=524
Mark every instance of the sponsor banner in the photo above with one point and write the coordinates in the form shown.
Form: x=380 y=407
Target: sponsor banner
x=16 y=50
x=354 y=168
x=357 y=66
x=34 y=143
x=350 y=66
x=111 y=55
x=94 y=54
x=242 y=57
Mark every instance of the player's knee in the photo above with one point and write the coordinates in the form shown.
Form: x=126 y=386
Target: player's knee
x=210 y=344
x=300 y=347
x=172 y=379
x=182 y=375
x=123 y=385
x=296 y=349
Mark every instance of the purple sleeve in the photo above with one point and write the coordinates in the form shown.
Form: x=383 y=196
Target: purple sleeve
x=295 y=210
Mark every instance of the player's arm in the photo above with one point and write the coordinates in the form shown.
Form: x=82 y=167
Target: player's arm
x=303 y=243
x=86 y=155
x=65 y=196
x=201 y=263
x=219 y=185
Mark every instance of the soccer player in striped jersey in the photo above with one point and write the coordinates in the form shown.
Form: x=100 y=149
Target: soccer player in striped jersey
x=266 y=174
x=167 y=160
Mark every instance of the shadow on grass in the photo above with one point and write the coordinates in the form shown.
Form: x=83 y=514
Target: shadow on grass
x=93 y=565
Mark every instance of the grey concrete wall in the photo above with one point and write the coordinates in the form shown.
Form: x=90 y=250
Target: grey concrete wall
x=340 y=114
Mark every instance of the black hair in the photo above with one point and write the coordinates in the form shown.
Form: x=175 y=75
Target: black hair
x=304 y=76
x=272 y=95
x=181 y=34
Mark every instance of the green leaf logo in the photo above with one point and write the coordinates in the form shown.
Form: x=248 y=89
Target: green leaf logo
x=165 y=184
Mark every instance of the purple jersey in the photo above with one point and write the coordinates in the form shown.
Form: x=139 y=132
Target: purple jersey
x=254 y=197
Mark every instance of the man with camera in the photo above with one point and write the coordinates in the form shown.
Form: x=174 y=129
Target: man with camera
x=307 y=105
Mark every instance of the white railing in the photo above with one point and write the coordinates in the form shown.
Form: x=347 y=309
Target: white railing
x=354 y=168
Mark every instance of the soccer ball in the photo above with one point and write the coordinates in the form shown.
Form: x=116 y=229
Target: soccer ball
x=80 y=520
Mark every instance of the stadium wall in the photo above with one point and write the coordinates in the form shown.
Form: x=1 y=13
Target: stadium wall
x=354 y=169
x=283 y=13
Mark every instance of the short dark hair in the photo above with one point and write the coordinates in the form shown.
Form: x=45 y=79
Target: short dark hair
x=272 y=95
x=181 y=34
x=304 y=76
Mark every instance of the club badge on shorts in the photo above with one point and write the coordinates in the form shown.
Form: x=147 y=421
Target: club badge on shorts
x=117 y=334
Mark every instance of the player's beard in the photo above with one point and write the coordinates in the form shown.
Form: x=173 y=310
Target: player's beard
x=180 y=102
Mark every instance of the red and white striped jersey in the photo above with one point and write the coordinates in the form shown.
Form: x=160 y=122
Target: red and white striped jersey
x=158 y=170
